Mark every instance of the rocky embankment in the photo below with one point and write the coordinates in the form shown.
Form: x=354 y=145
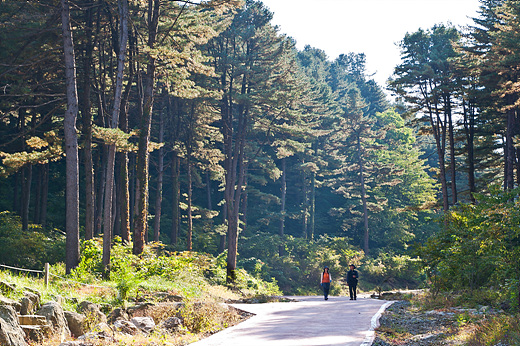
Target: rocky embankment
x=29 y=321
x=407 y=325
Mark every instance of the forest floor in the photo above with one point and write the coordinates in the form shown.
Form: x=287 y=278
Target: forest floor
x=407 y=324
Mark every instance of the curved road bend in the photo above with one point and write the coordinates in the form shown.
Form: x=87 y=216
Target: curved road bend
x=311 y=321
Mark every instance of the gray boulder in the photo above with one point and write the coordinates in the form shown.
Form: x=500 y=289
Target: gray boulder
x=92 y=311
x=146 y=324
x=29 y=303
x=140 y=310
x=35 y=291
x=55 y=316
x=102 y=331
x=126 y=327
x=76 y=323
x=171 y=324
x=11 y=334
x=6 y=301
x=116 y=315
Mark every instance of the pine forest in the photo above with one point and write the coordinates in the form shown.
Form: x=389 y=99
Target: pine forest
x=199 y=127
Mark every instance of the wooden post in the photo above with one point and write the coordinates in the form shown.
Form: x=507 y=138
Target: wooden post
x=47 y=274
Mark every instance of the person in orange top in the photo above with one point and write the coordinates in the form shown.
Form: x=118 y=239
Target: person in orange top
x=325 y=282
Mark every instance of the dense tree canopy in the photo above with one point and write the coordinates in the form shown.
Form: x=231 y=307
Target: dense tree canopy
x=200 y=125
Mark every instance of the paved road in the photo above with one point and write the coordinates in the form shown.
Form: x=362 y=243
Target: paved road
x=309 y=322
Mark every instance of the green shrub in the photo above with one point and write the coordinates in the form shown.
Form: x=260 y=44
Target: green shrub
x=298 y=270
x=389 y=271
x=30 y=249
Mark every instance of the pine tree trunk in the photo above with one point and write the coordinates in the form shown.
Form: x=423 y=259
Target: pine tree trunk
x=45 y=195
x=244 y=203
x=305 y=204
x=86 y=113
x=453 y=168
x=116 y=200
x=124 y=181
x=313 y=201
x=141 y=222
x=160 y=174
x=16 y=194
x=235 y=175
x=71 y=145
x=517 y=151
x=176 y=199
x=101 y=173
x=439 y=134
x=189 y=240
x=469 y=128
x=38 y=197
x=26 y=196
x=222 y=237
x=363 y=196
x=125 y=200
x=281 y=231
x=114 y=123
x=510 y=150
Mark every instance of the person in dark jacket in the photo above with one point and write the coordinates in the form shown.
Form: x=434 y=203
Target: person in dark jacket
x=352 y=280
x=325 y=282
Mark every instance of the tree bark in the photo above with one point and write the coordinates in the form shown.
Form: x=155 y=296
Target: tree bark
x=244 y=203
x=141 y=222
x=281 y=230
x=176 y=199
x=38 y=197
x=469 y=128
x=16 y=194
x=71 y=145
x=124 y=181
x=118 y=94
x=453 y=169
x=160 y=175
x=86 y=113
x=125 y=200
x=510 y=151
x=313 y=197
x=439 y=134
x=101 y=173
x=189 y=239
x=26 y=196
x=305 y=205
x=234 y=177
x=222 y=237
x=363 y=196
x=45 y=194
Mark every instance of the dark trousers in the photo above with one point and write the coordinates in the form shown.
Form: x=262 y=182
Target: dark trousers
x=326 y=288
x=352 y=288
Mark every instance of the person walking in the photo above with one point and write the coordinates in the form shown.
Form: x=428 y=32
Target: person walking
x=352 y=280
x=325 y=282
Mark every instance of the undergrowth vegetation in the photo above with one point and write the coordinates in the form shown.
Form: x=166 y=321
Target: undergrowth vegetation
x=499 y=330
x=297 y=270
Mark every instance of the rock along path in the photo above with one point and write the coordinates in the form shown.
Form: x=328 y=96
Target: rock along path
x=309 y=321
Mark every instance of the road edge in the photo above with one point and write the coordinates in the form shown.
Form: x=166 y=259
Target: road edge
x=374 y=323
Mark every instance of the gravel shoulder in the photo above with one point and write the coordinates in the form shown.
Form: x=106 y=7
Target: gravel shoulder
x=405 y=325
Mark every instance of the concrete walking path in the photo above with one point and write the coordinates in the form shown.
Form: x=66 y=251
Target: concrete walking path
x=311 y=321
